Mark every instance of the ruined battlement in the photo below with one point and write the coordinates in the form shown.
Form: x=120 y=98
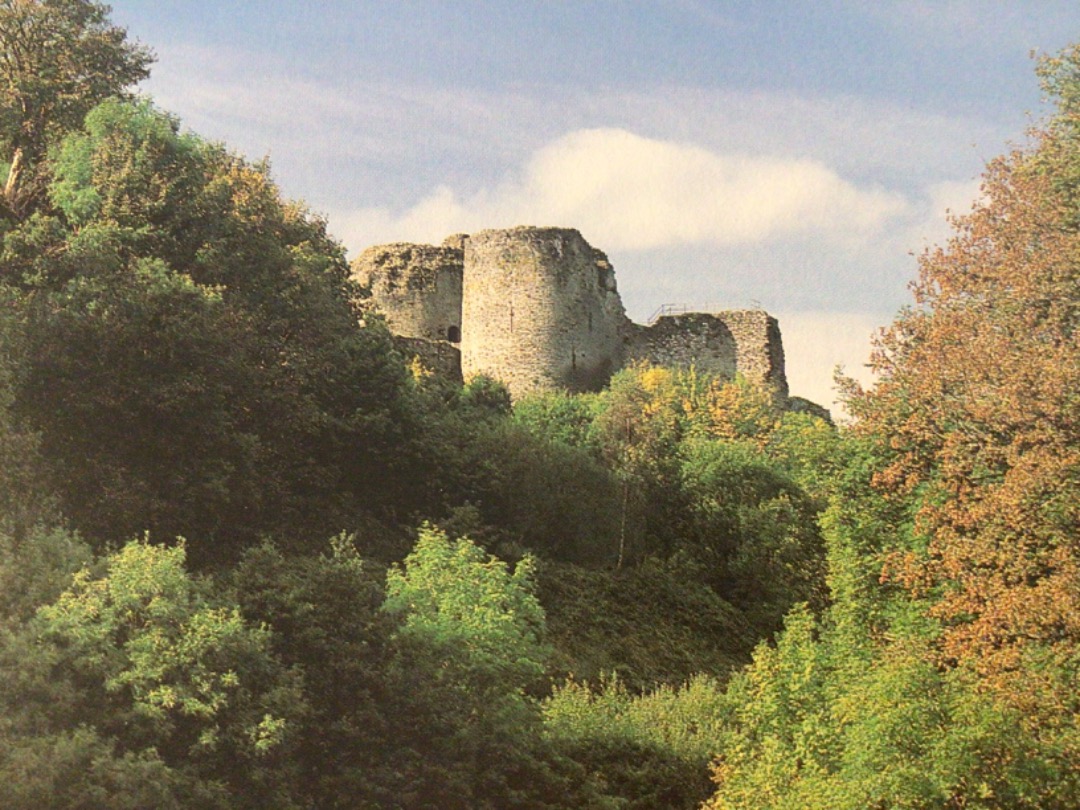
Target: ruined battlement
x=725 y=343
x=539 y=309
x=417 y=288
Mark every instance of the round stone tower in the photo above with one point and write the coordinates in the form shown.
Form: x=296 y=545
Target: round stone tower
x=416 y=287
x=541 y=310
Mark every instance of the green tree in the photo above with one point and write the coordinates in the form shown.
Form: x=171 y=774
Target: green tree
x=58 y=58
x=167 y=652
x=468 y=607
x=36 y=566
x=25 y=498
x=80 y=770
x=733 y=410
x=543 y=495
x=469 y=649
x=142 y=662
x=356 y=739
x=638 y=426
x=192 y=357
x=810 y=450
x=750 y=530
x=559 y=416
x=653 y=750
x=819 y=723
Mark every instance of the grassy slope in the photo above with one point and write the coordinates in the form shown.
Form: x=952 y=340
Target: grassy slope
x=647 y=624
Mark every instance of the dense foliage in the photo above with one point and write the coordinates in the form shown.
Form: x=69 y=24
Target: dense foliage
x=60 y=59
x=188 y=351
x=944 y=672
x=553 y=603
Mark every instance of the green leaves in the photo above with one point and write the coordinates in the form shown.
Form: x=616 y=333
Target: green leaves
x=145 y=629
x=60 y=58
x=650 y=750
x=193 y=361
x=129 y=166
x=137 y=667
x=464 y=604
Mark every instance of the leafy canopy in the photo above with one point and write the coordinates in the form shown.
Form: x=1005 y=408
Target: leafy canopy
x=58 y=59
x=461 y=602
x=146 y=630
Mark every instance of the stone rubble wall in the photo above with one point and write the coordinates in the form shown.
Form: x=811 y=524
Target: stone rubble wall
x=759 y=347
x=680 y=341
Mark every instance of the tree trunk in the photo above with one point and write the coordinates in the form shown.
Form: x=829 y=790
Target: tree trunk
x=14 y=173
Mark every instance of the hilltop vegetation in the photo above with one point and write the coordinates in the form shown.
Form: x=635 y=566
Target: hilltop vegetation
x=250 y=556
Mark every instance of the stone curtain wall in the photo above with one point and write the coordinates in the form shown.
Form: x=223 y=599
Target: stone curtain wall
x=693 y=339
x=743 y=341
x=540 y=310
x=416 y=287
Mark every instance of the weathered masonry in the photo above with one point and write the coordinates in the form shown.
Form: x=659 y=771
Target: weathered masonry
x=538 y=308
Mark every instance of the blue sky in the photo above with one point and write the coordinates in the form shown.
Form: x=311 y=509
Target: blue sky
x=787 y=154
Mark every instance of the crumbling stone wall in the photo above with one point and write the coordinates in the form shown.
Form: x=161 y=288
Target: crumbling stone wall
x=759 y=348
x=692 y=339
x=541 y=310
x=746 y=342
x=417 y=288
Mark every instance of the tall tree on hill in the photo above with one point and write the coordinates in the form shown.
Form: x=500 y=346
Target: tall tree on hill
x=189 y=353
x=977 y=420
x=193 y=362
x=58 y=59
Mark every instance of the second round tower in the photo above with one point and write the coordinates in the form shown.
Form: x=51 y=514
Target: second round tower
x=541 y=309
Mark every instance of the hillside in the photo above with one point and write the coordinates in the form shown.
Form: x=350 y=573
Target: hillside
x=255 y=554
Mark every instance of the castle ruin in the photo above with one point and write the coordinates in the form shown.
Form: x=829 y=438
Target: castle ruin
x=538 y=309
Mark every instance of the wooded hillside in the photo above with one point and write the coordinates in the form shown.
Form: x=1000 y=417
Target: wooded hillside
x=252 y=556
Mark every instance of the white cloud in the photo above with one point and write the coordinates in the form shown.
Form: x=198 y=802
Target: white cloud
x=954 y=198
x=628 y=192
x=363 y=144
x=937 y=206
